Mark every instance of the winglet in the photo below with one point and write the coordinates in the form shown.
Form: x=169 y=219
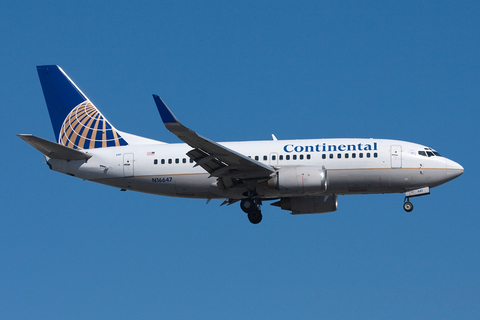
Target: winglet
x=165 y=113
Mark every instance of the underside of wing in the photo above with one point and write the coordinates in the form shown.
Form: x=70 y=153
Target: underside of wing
x=215 y=158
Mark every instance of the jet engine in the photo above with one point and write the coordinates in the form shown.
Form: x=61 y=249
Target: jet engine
x=305 y=205
x=300 y=180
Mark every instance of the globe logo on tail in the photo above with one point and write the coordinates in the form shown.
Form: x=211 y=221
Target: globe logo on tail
x=86 y=128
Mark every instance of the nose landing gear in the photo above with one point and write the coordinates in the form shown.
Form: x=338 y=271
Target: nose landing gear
x=407 y=205
x=252 y=208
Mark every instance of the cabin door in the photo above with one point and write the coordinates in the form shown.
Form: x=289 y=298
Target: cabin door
x=128 y=165
x=396 y=157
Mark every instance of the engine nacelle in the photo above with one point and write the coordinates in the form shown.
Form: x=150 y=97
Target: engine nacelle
x=300 y=180
x=305 y=205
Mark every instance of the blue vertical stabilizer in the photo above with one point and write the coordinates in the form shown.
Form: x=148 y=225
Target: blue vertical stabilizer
x=76 y=122
x=61 y=94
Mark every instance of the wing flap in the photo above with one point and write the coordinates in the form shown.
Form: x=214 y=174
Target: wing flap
x=53 y=150
x=213 y=157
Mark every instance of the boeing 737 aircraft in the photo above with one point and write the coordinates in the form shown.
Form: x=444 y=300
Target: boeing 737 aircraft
x=301 y=176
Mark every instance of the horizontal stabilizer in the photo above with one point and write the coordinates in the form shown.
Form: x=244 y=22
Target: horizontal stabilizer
x=53 y=150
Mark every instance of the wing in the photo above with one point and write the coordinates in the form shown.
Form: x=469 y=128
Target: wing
x=216 y=159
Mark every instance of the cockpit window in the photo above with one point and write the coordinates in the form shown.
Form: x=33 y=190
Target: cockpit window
x=428 y=152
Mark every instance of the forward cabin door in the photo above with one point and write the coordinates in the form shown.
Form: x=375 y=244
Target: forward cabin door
x=396 y=157
x=128 y=165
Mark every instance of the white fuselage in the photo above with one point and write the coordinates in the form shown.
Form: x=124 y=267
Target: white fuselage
x=354 y=166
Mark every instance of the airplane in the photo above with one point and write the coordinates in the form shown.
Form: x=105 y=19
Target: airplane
x=301 y=176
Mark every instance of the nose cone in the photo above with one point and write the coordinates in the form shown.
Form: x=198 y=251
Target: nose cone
x=454 y=170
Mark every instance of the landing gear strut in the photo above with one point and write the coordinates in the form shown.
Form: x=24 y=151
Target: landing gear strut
x=407 y=205
x=252 y=208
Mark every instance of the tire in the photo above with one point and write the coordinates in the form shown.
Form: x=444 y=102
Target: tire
x=408 y=206
x=255 y=217
x=248 y=205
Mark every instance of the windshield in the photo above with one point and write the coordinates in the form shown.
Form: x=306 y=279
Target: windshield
x=428 y=152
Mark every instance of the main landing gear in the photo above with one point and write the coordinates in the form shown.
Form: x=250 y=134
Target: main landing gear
x=252 y=208
x=407 y=205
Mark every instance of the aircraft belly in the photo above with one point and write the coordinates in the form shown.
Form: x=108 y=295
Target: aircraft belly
x=404 y=179
x=193 y=185
x=357 y=181
x=184 y=185
x=374 y=180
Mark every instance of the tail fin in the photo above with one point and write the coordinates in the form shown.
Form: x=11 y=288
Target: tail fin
x=77 y=123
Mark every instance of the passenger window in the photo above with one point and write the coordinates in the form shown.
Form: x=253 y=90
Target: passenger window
x=339 y=156
x=265 y=158
x=308 y=157
x=256 y=158
x=331 y=155
x=360 y=155
x=301 y=157
x=162 y=161
x=184 y=160
x=375 y=155
x=177 y=160
x=354 y=155
x=169 y=161
x=346 y=155
x=191 y=160
x=368 y=154
x=280 y=157
x=294 y=157
x=287 y=157
x=274 y=158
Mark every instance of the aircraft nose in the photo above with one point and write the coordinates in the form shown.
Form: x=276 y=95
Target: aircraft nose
x=454 y=170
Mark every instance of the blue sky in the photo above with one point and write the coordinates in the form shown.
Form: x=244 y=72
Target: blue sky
x=409 y=70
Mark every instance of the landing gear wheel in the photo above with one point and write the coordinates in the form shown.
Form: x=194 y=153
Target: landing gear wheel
x=408 y=206
x=255 y=217
x=248 y=205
